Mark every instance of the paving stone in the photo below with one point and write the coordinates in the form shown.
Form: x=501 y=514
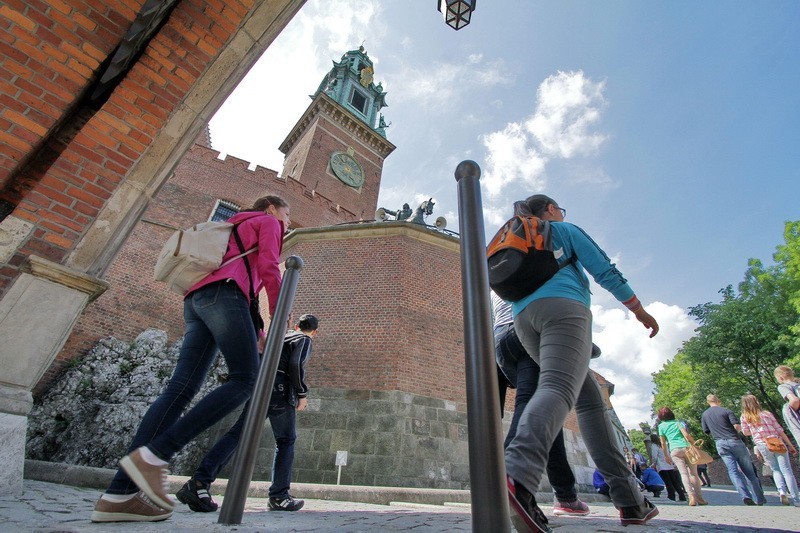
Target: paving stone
x=60 y=508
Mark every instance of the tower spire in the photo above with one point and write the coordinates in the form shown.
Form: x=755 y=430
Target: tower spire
x=350 y=82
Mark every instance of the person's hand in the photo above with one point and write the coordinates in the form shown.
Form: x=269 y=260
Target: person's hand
x=792 y=450
x=647 y=320
x=262 y=342
x=302 y=403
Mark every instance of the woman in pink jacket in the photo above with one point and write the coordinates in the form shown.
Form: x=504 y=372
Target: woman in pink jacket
x=217 y=315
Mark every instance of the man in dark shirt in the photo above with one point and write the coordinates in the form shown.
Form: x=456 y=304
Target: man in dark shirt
x=723 y=425
x=289 y=394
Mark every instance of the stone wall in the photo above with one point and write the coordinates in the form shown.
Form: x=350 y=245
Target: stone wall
x=392 y=438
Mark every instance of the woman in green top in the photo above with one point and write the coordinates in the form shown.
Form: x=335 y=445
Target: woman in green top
x=674 y=434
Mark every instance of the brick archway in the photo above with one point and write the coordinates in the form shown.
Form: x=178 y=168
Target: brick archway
x=76 y=181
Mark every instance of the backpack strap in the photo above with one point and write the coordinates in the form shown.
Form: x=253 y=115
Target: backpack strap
x=243 y=255
x=234 y=258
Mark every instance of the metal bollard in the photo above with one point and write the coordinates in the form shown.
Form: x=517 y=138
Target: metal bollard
x=244 y=461
x=487 y=470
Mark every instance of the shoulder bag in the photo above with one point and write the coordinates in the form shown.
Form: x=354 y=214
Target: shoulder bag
x=696 y=455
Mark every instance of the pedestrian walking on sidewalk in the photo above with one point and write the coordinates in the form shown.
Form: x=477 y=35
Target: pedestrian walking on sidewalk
x=667 y=471
x=723 y=425
x=789 y=389
x=554 y=325
x=289 y=394
x=218 y=317
x=521 y=372
x=675 y=437
x=773 y=445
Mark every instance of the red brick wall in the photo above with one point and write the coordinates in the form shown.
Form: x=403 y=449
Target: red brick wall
x=135 y=302
x=50 y=51
x=390 y=314
x=312 y=154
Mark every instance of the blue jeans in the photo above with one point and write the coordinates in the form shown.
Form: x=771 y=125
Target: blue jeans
x=281 y=415
x=518 y=365
x=216 y=316
x=735 y=455
x=781 y=471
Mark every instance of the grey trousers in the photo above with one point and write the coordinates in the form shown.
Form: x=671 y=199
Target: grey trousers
x=557 y=333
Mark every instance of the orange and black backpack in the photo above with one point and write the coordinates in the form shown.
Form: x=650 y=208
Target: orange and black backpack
x=521 y=257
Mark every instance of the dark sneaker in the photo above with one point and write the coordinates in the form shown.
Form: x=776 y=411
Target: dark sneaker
x=576 y=508
x=286 y=504
x=138 y=509
x=525 y=514
x=748 y=501
x=638 y=514
x=196 y=496
x=151 y=479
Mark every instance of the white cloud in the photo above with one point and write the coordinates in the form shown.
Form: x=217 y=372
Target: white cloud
x=568 y=105
x=630 y=356
x=442 y=87
x=511 y=158
x=250 y=125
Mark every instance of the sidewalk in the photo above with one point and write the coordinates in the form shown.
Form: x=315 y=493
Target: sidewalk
x=56 y=507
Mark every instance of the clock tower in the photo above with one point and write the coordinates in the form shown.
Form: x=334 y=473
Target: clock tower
x=338 y=146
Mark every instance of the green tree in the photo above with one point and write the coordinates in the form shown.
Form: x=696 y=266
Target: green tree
x=740 y=340
x=638 y=441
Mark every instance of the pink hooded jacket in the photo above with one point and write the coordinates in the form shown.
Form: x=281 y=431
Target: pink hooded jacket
x=255 y=229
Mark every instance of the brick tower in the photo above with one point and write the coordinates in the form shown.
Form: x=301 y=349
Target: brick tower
x=338 y=146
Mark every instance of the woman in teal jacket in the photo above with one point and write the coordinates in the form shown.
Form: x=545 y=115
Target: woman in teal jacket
x=554 y=324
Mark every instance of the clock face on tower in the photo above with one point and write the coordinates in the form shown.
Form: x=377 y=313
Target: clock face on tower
x=347 y=169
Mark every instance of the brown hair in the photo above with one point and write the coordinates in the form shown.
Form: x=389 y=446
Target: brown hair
x=665 y=413
x=265 y=201
x=751 y=409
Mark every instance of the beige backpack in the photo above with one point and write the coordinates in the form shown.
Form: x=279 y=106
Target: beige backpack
x=190 y=255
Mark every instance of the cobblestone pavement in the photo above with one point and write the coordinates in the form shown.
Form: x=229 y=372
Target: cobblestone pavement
x=49 y=507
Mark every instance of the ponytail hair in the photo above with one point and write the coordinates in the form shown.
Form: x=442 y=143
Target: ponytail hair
x=264 y=202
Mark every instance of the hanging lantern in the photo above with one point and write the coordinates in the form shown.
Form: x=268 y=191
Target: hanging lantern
x=457 y=13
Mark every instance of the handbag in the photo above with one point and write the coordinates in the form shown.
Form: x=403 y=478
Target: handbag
x=776 y=445
x=696 y=455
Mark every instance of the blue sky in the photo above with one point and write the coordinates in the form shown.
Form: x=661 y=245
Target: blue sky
x=669 y=131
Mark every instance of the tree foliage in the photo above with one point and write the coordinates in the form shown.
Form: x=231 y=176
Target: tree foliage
x=740 y=340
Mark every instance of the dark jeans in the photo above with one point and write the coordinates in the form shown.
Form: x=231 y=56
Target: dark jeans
x=672 y=480
x=655 y=489
x=517 y=364
x=217 y=317
x=702 y=472
x=281 y=415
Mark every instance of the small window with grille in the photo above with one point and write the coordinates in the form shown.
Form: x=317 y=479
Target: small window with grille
x=223 y=211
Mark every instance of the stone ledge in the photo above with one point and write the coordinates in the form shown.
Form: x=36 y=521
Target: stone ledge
x=372 y=230
x=68 y=277
x=100 y=478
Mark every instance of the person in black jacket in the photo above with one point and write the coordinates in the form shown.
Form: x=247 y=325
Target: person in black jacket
x=289 y=394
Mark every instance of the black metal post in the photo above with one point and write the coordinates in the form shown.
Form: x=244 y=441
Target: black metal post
x=487 y=469
x=244 y=461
